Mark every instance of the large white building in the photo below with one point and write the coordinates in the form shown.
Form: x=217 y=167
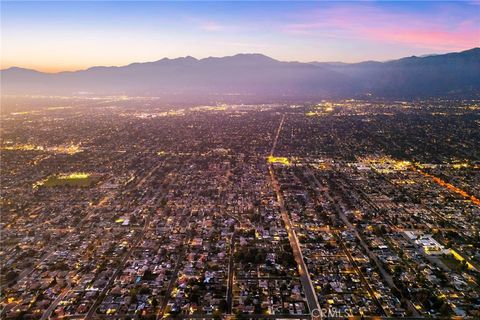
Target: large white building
x=426 y=243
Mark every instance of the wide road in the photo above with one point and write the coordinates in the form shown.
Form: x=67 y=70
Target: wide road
x=54 y=304
x=297 y=251
x=230 y=274
x=275 y=139
x=307 y=285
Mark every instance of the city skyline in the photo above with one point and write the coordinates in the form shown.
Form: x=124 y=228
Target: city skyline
x=67 y=36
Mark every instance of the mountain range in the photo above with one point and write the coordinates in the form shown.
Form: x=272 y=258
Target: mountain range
x=248 y=77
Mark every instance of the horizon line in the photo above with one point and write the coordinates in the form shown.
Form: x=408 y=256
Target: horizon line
x=221 y=57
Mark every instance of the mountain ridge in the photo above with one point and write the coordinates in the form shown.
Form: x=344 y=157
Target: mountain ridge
x=257 y=75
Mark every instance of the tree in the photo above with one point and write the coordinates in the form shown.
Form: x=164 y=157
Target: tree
x=11 y=275
x=154 y=302
x=222 y=306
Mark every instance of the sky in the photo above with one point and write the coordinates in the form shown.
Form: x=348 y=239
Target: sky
x=69 y=35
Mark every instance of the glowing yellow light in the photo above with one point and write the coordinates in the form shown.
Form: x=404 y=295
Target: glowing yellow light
x=460 y=165
x=72 y=179
x=457 y=256
x=76 y=175
x=23 y=147
x=281 y=160
x=111 y=311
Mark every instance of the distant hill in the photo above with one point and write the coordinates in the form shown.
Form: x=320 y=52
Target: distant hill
x=411 y=77
x=255 y=76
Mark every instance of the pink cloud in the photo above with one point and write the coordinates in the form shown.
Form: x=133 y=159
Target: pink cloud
x=211 y=26
x=373 y=24
x=441 y=39
x=205 y=25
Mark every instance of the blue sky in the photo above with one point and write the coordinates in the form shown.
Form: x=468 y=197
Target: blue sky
x=69 y=35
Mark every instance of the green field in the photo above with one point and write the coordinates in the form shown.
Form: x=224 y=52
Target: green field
x=68 y=180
